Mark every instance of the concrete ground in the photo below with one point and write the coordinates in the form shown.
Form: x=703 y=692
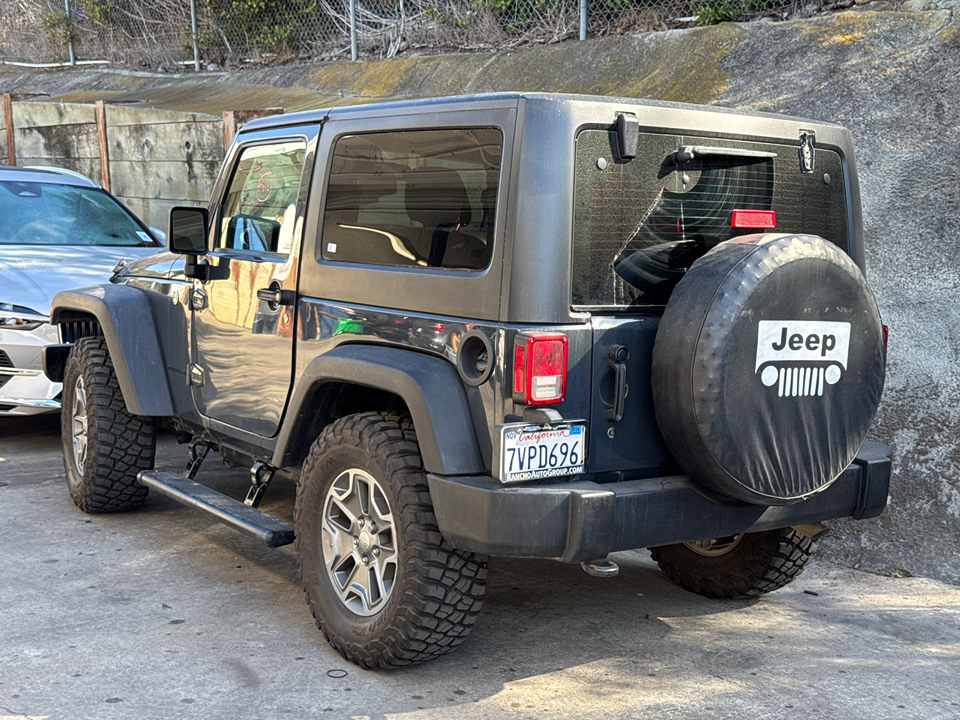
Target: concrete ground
x=164 y=613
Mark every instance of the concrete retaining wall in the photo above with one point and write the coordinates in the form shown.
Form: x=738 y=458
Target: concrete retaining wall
x=892 y=78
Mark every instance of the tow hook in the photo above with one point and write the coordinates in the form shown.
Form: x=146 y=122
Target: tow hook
x=600 y=568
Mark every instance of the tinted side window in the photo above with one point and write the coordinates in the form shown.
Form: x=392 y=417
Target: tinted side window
x=260 y=209
x=424 y=198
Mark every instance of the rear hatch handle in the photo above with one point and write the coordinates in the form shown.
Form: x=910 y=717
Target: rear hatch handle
x=617 y=356
x=686 y=153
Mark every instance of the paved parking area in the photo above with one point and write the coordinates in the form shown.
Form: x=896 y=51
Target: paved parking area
x=164 y=613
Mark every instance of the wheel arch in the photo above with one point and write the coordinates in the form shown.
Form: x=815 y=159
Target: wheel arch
x=126 y=320
x=356 y=378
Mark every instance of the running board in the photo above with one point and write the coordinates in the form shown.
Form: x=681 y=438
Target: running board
x=267 y=528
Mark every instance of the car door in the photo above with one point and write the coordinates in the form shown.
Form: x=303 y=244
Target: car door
x=244 y=313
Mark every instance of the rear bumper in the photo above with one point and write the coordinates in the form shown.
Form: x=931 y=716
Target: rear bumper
x=584 y=521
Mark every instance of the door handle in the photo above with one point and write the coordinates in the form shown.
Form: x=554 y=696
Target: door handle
x=275 y=296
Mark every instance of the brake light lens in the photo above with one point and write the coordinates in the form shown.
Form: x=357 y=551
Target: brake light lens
x=540 y=369
x=756 y=219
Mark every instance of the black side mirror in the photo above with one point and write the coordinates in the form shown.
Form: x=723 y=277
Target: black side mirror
x=187 y=233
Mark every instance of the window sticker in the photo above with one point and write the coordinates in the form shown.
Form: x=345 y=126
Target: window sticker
x=264 y=187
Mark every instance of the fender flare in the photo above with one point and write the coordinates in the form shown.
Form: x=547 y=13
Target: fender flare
x=430 y=387
x=130 y=329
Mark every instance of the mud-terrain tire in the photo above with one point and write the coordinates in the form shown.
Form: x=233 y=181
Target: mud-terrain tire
x=768 y=367
x=740 y=567
x=393 y=594
x=104 y=446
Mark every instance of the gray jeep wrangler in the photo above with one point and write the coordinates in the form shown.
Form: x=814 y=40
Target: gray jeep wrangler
x=526 y=325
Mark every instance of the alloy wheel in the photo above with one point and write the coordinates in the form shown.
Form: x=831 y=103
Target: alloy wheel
x=714 y=547
x=79 y=423
x=360 y=542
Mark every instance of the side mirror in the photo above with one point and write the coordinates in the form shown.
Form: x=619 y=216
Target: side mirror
x=187 y=231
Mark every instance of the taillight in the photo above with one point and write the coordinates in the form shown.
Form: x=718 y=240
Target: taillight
x=540 y=368
x=886 y=337
x=756 y=219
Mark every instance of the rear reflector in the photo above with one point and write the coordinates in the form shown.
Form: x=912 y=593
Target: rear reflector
x=760 y=219
x=540 y=369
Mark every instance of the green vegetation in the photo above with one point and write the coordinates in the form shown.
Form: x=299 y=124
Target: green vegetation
x=272 y=26
x=99 y=10
x=57 y=27
x=714 y=12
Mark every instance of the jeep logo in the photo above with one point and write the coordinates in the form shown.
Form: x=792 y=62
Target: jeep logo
x=801 y=356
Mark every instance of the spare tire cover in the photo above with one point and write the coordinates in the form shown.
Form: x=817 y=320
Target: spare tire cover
x=768 y=367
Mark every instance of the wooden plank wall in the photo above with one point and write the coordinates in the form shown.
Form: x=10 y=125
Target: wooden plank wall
x=156 y=158
x=58 y=135
x=159 y=159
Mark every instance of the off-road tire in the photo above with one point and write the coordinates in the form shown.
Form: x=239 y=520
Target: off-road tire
x=758 y=563
x=436 y=592
x=104 y=446
x=778 y=436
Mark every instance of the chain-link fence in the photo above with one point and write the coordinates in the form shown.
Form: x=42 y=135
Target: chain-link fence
x=152 y=33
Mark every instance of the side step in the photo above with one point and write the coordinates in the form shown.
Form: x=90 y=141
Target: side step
x=267 y=528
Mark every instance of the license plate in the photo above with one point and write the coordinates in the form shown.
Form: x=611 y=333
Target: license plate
x=531 y=452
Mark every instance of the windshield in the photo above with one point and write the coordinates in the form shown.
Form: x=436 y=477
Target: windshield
x=34 y=213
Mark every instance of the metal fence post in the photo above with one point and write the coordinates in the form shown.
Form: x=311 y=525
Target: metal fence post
x=193 y=30
x=353 y=30
x=583 y=19
x=73 y=57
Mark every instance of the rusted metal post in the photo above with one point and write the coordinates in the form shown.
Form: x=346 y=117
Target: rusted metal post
x=229 y=128
x=233 y=120
x=104 y=151
x=11 y=136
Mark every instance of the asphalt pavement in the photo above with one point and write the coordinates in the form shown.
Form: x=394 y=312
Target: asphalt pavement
x=165 y=613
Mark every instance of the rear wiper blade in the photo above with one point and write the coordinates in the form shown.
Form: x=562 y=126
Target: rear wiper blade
x=686 y=153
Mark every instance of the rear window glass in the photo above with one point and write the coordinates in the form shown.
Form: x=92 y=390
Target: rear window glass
x=640 y=224
x=424 y=198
